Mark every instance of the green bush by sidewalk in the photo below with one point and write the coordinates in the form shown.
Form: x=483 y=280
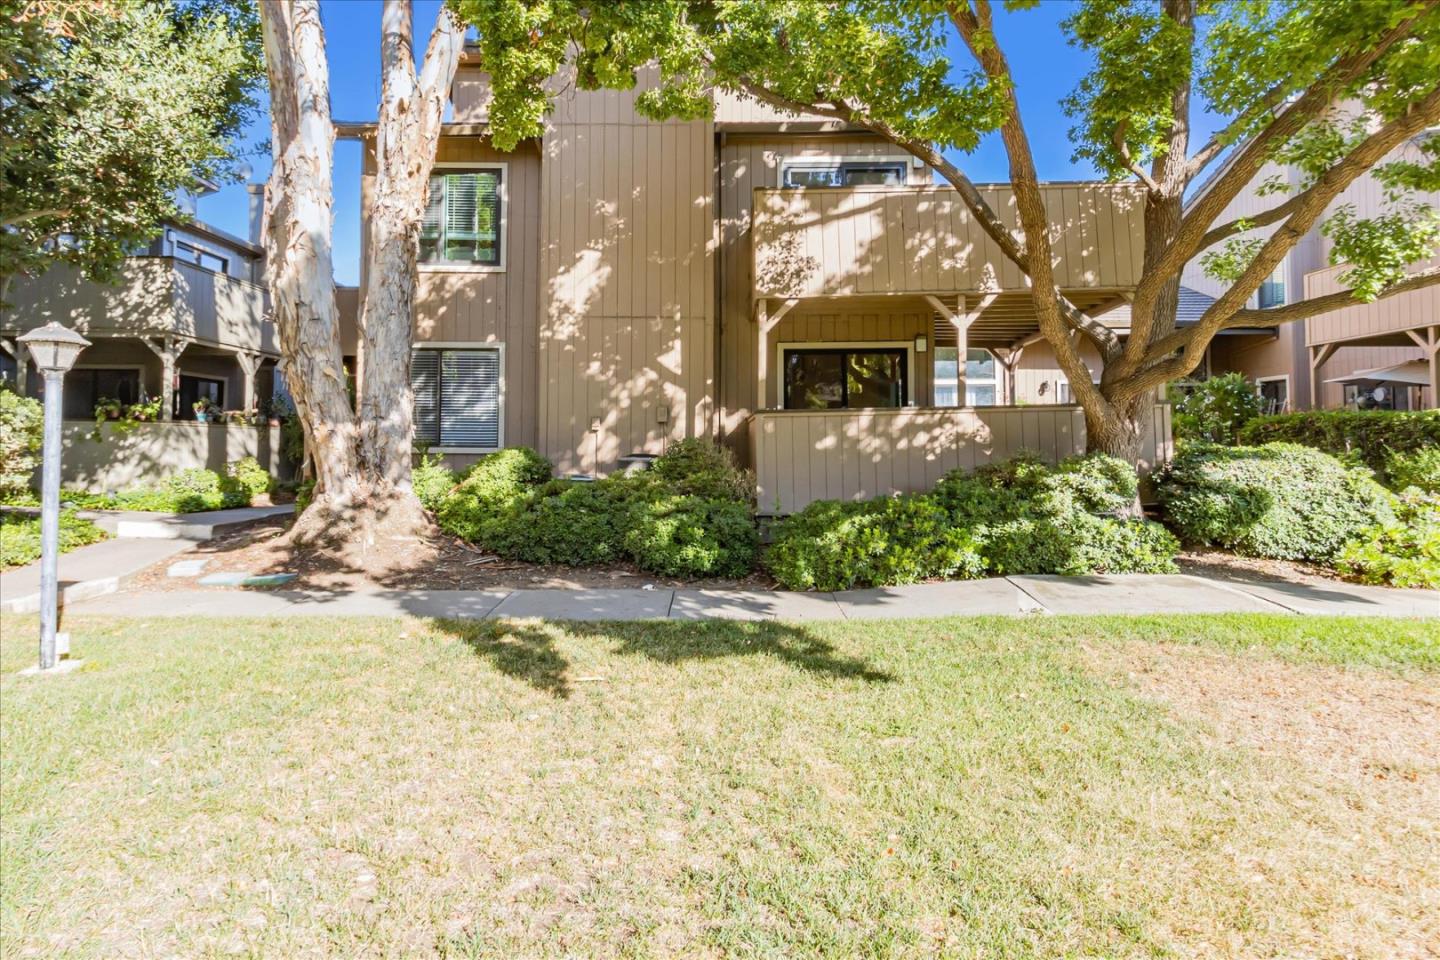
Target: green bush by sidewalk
x=1021 y=516
x=1369 y=436
x=22 y=427
x=1214 y=410
x=1402 y=553
x=1282 y=500
x=20 y=537
x=691 y=515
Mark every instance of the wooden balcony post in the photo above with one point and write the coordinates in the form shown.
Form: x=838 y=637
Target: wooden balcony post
x=168 y=350
x=249 y=365
x=1429 y=341
x=765 y=321
x=21 y=356
x=1318 y=356
x=961 y=319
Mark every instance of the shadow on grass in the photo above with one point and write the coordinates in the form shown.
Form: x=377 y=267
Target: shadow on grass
x=526 y=650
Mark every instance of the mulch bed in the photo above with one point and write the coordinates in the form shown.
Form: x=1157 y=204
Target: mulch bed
x=444 y=563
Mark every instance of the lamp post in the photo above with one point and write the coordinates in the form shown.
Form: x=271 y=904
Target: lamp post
x=54 y=349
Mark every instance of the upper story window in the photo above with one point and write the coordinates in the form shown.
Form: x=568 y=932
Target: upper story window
x=198 y=255
x=833 y=173
x=465 y=218
x=1272 y=291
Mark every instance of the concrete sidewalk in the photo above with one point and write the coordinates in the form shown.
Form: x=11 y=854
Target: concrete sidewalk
x=142 y=539
x=86 y=572
x=1132 y=594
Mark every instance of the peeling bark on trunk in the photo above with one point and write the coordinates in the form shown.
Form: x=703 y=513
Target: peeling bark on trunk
x=407 y=136
x=363 y=503
x=297 y=243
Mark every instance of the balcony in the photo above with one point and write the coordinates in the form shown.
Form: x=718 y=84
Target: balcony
x=868 y=241
x=1382 y=323
x=152 y=297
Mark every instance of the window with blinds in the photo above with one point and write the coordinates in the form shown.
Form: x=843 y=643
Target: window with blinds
x=463 y=219
x=457 y=397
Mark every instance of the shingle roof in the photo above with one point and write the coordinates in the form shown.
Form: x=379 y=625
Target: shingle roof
x=1193 y=304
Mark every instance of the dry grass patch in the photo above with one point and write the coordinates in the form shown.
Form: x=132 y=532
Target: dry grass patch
x=401 y=788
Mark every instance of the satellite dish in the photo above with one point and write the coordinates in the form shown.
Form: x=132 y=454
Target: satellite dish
x=1380 y=393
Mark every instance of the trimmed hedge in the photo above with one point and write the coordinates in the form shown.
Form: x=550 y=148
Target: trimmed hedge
x=1282 y=500
x=1420 y=469
x=1021 y=516
x=1371 y=436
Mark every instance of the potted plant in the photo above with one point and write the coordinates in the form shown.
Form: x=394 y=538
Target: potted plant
x=106 y=408
x=206 y=410
x=145 y=411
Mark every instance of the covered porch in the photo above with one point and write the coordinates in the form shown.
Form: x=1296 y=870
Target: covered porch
x=894 y=345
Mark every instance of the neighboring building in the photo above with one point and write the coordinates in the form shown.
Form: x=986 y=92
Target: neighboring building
x=800 y=291
x=1372 y=356
x=185 y=320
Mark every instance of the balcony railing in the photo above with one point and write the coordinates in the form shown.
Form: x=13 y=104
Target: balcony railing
x=1384 y=320
x=888 y=240
x=152 y=296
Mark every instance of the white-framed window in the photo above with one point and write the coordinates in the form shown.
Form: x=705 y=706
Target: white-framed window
x=459 y=397
x=464 y=225
x=827 y=172
x=981 y=385
x=1272 y=290
x=1274 y=393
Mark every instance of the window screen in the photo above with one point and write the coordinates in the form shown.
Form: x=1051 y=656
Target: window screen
x=457 y=397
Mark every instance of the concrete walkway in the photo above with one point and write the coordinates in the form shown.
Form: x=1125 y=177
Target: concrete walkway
x=1135 y=594
x=93 y=571
x=143 y=539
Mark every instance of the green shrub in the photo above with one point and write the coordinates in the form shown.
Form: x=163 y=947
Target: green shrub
x=1402 y=553
x=702 y=468
x=691 y=536
x=248 y=476
x=474 y=507
x=1215 y=410
x=22 y=427
x=1281 y=500
x=832 y=545
x=1416 y=468
x=565 y=522
x=1372 y=435
x=433 y=481
x=196 y=488
x=20 y=537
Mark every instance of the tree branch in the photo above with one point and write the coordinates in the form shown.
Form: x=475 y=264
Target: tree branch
x=1314 y=306
x=1247 y=163
x=1117 y=137
x=1274 y=215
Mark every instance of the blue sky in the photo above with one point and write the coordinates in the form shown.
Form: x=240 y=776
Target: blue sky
x=1045 y=67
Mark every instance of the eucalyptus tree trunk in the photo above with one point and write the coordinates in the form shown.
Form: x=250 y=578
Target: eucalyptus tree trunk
x=406 y=139
x=297 y=246
x=363 y=501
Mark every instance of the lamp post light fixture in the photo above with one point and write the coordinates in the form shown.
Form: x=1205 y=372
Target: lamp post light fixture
x=54 y=350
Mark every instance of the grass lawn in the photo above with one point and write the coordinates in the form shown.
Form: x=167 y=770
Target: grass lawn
x=1046 y=787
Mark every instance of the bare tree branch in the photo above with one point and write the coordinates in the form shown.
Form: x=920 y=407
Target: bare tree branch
x=1274 y=215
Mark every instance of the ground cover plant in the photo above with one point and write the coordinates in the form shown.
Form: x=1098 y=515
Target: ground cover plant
x=20 y=536
x=1020 y=516
x=690 y=515
x=991 y=787
x=192 y=490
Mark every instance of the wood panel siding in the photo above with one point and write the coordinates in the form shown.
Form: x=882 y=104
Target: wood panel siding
x=887 y=240
x=745 y=163
x=1380 y=323
x=627 y=276
x=488 y=306
x=803 y=456
x=153 y=296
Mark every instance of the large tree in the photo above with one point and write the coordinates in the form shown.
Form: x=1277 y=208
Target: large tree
x=107 y=109
x=1331 y=86
x=363 y=500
